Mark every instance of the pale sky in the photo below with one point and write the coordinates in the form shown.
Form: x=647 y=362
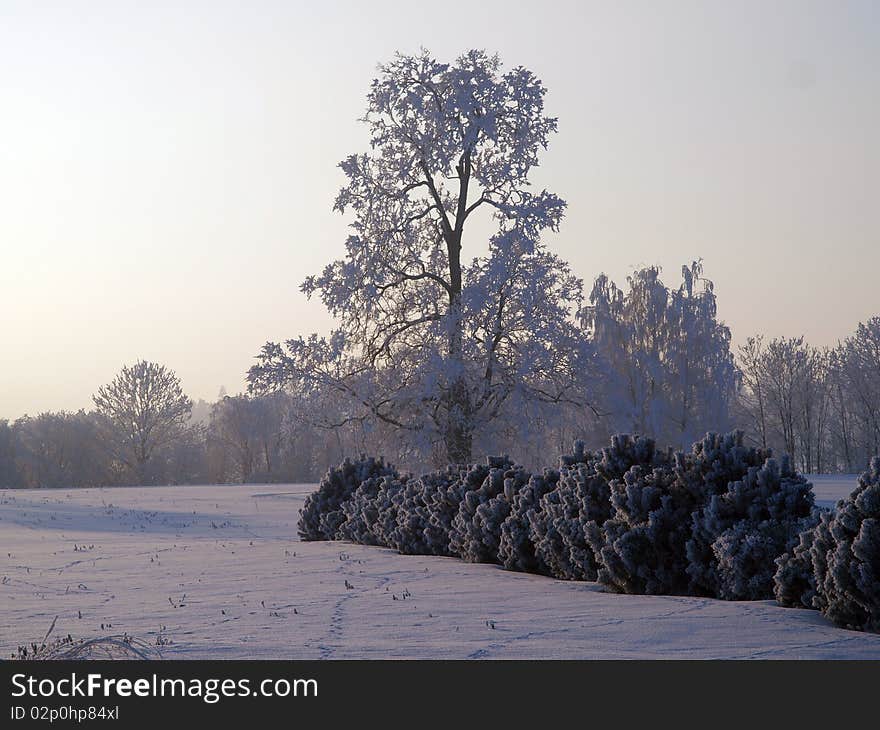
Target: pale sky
x=167 y=173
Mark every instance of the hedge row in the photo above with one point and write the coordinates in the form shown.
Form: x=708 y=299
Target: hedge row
x=724 y=520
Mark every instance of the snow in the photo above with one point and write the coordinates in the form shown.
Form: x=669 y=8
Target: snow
x=222 y=570
x=829 y=488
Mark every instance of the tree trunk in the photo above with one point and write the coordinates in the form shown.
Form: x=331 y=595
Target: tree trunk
x=458 y=437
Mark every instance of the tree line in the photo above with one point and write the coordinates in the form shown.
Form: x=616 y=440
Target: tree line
x=450 y=344
x=820 y=405
x=665 y=369
x=144 y=429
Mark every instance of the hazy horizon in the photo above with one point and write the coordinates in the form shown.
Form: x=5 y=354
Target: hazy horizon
x=168 y=173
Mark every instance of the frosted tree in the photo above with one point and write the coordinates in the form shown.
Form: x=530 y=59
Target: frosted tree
x=671 y=374
x=701 y=375
x=429 y=341
x=753 y=394
x=10 y=473
x=786 y=397
x=859 y=376
x=251 y=429
x=144 y=408
x=61 y=450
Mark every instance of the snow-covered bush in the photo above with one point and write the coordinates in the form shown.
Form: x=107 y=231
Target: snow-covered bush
x=441 y=494
x=322 y=515
x=516 y=550
x=711 y=522
x=794 y=583
x=556 y=531
x=753 y=514
x=475 y=532
x=362 y=510
x=579 y=455
x=581 y=503
x=724 y=520
x=412 y=516
x=627 y=451
x=411 y=519
x=641 y=548
x=848 y=586
x=582 y=496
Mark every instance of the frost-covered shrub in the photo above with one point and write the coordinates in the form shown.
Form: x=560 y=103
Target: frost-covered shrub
x=638 y=546
x=746 y=524
x=322 y=515
x=581 y=503
x=641 y=548
x=556 y=531
x=442 y=493
x=579 y=455
x=516 y=550
x=711 y=522
x=362 y=510
x=627 y=451
x=581 y=498
x=412 y=518
x=848 y=572
x=794 y=584
x=475 y=532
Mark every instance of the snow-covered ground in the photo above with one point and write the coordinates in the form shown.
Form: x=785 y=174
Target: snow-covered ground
x=219 y=572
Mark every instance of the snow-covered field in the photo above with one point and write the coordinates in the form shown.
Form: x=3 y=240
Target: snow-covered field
x=219 y=573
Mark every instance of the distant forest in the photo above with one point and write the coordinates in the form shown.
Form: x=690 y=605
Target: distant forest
x=444 y=353
x=649 y=375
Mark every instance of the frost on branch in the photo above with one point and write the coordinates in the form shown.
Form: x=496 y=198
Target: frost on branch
x=321 y=516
